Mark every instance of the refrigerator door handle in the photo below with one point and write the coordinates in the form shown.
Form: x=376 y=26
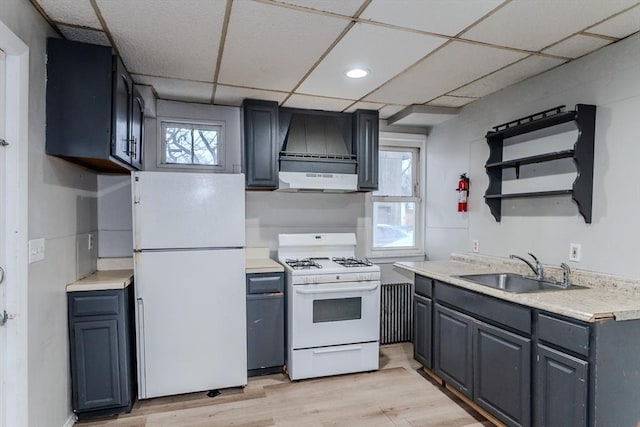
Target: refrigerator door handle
x=142 y=387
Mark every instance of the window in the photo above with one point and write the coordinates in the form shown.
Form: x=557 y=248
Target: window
x=192 y=144
x=396 y=207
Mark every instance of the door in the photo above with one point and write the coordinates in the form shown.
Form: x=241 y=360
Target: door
x=422 y=330
x=122 y=86
x=502 y=374
x=335 y=313
x=137 y=129
x=261 y=144
x=265 y=330
x=191 y=321
x=561 y=389
x=188 y=210
x=453 y=348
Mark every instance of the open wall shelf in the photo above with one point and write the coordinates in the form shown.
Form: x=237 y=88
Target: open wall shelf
x=582 y=153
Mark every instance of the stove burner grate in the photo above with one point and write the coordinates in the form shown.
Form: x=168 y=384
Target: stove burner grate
x=351 y=262
x=302 y=264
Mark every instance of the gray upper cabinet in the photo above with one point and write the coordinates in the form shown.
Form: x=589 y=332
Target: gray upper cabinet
x=90 y=108
x=261 y=144
x=365 y=130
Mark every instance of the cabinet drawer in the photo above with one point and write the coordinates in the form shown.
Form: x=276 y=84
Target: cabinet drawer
x=424 y=286
x=504 y=313
x=98 y=303
x=564 y=334
x=262 y=283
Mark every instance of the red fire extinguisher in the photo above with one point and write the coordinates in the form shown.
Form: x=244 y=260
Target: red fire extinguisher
x=463 y=192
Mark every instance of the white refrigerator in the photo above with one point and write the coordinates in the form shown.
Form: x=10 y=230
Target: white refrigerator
x=189 y=281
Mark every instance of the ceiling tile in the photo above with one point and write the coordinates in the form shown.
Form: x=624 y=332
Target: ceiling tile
x=84 y=35
x=619 y=26
x=178 y=90
x=364 y=106
x=370 y=47
x=274 y=47
x=447 y=17
x=533 y=25
x=446 y=69
x=165 y=38
x=389 y=110
x=507 y=76
x=230 y=95
x=342 y=7
x=317 y=103
x=451 y=101
x=576 y=46
x=74 y=12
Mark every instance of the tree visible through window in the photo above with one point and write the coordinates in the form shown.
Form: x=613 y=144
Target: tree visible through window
x=191 y=144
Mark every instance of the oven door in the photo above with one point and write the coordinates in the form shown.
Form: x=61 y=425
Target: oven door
x=335 y=313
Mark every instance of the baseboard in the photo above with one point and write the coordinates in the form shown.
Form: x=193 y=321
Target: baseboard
x=70 y=421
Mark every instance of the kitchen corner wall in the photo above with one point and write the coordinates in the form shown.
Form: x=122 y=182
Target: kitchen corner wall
x=115 y=230
x=608 y=78
x=63 y=211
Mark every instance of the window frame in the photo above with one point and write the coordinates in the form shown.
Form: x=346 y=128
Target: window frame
x=161 y=160
x=391 y=141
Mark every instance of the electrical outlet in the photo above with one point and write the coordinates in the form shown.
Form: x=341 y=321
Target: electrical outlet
x=475 y=246
x=574 y=252
x=90 y=242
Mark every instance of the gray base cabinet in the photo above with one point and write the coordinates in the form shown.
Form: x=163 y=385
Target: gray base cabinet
x=265 y=323
x=526 y=366
x=101 y=352
x=422 y=308
x=561 y=389
x=453 y=339
x=502 y=373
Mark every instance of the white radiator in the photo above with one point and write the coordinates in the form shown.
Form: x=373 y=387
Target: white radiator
x=396 y=313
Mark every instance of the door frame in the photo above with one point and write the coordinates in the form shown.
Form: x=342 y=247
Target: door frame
x=17 y=111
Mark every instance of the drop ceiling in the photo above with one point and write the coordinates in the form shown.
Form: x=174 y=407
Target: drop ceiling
x=444 y=53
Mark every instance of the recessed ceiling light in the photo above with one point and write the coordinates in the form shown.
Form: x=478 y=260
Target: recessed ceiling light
x=357 y=73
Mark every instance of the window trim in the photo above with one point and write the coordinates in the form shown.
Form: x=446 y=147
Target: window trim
x=160 y=163
x=397 y=141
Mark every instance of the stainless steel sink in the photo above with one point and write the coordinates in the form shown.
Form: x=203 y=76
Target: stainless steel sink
x=515 y=283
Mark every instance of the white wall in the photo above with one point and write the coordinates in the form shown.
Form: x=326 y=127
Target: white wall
x=608 y=78
x=62 y=209
x=115 y=230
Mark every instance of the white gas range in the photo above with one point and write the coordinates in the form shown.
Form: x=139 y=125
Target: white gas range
x=333 y=305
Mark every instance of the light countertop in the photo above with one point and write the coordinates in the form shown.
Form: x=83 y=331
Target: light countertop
x=103 y=280
x=257 y=261
x=604 y=300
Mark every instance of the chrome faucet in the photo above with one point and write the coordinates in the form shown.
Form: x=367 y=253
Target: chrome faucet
x=537 y=270
x=565 y=275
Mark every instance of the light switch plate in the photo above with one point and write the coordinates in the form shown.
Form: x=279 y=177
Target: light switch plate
x=475 y=246
x=36 y=250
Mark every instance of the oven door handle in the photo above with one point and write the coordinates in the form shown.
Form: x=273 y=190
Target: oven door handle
x=338 y=350
x=336 y=290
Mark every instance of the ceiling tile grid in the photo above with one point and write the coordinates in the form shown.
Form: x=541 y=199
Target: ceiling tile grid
x=166 y=38
x=447 y=17
x=510 y=74
x=274 y=47
x=340 y=7
x=619 y=26
x=317 y=103
x=534 y=25
x=364 y=106
x=385 y=52
x=85 y=35
x=74 y=12
x=446 y=69
x=576 y=46
x=451 y=101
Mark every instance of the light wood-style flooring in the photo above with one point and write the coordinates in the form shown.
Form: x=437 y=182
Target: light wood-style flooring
x=397 y=395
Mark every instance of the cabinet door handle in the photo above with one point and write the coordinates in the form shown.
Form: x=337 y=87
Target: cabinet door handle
x=337 y=350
